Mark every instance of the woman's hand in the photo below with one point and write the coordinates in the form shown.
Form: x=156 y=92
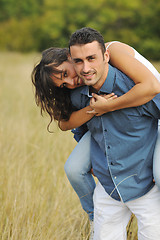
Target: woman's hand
x=101 y=103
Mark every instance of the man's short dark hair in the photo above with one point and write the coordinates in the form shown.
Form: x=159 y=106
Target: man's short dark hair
x=86 y=35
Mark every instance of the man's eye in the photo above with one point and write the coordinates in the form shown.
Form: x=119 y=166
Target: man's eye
x=91 y=58
x=77 y=61
x=63 y=85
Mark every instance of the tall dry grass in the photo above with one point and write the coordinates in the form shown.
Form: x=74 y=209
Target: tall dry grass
x=36 y=199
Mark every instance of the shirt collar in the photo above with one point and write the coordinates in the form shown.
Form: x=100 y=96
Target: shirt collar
x=109 y=82
x=107 y=86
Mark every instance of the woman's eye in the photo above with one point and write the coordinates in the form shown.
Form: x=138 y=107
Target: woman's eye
x=63 y=85
x=65 y=74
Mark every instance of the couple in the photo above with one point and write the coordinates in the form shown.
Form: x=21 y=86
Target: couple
x=122 y=141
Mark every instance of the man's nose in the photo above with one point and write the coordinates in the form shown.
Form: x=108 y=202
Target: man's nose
x=86 y=67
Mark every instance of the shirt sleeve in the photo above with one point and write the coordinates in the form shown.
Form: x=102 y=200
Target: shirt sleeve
x=79 y=132
x=76 y=98
x=152 y=108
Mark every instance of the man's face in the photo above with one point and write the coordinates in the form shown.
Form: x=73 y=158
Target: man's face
x=90 y=63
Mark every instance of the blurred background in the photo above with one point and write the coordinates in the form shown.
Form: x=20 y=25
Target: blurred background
x=33 y=25
x=36 y=200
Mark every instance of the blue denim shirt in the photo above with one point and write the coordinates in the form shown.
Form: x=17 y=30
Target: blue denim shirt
x=123 y=141
x=79 y=132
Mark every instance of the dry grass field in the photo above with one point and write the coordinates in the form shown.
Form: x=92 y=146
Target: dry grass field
x=36 y=199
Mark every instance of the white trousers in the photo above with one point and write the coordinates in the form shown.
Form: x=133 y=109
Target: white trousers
x=111 y=217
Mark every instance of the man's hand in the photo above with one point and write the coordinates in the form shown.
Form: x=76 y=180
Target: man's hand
x=100 y=103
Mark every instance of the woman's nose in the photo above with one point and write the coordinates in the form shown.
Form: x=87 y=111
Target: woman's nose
x=70 y=81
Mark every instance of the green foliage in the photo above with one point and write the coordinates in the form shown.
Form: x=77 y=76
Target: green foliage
x=17 y=35
x=21 y=9
x=35 y=25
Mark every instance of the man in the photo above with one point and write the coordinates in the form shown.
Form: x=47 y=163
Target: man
x=122 y=145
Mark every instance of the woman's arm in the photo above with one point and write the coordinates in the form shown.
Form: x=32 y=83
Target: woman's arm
x=77 y=119
x=146 y=84
x=80 y=117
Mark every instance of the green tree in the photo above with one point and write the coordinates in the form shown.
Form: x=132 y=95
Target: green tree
x=36 y=25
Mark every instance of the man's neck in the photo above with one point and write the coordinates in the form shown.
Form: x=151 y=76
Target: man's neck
x=95 y=88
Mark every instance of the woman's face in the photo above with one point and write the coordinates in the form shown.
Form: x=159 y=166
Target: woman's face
x=68 y=78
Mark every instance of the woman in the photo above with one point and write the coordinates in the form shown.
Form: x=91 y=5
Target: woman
x=54 y=77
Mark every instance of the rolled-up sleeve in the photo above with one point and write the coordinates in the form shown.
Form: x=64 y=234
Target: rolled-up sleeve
x=152 y=108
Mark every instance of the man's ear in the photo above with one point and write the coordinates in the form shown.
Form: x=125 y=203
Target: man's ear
x=106 y=55
x=69 y=57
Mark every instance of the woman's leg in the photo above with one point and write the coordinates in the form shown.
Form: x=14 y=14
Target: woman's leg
x=77 y=168
x=156 y=159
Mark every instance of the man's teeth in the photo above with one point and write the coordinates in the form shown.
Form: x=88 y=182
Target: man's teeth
x=88 y=75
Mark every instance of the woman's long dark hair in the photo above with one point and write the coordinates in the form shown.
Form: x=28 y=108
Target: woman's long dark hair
x=51 y=99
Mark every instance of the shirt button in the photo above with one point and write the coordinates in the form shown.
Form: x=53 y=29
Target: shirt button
x=115 y=177
x=108 y=147
x=105 y=130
